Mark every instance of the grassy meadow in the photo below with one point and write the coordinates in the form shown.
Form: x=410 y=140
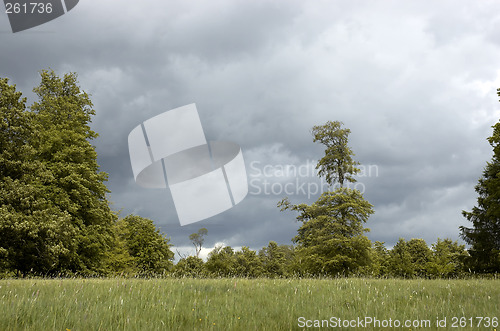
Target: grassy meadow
x=242 y=304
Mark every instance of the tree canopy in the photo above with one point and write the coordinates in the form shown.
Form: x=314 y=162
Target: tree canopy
x=337 y=164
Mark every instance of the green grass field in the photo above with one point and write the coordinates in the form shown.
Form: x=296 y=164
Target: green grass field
x=244 y=304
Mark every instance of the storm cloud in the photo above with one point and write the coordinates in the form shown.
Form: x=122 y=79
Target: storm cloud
x=416 y=84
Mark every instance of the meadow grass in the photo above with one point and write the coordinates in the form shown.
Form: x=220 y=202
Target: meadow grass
x=238 y=304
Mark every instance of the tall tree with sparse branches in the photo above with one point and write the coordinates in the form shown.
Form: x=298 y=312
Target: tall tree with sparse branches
x=198 y=239
x=331 y=238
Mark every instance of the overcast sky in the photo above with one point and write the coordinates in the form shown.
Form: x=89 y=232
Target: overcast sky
x=415 y=81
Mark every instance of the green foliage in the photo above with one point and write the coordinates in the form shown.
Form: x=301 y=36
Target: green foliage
x=401 y=260
x=409 y=259
x=61 y=137
x=221 y=262
x=54 y=214
x=148 y=248
x=277 y=260
x=190 y=266
x=118 y=260
x=484 y=235
x=337 y=164
x=225 y=262
x=35 y=233
x=379 y=260
x=247 y=263
x=420 y=254
x=330 y=240
x=447 y=259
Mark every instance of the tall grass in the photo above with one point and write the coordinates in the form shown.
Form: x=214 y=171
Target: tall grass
x=235 y=304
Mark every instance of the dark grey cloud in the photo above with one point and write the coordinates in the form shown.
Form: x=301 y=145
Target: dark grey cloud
x=414 y=83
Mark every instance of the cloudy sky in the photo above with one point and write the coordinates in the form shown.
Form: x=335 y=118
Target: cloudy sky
x=414 y=81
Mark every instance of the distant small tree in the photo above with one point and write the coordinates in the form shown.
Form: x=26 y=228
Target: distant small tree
x=190 y=266
x=400 y=261
x=421 y=255
x=410 y=258
x=277 y=260
x=221 y=262
x=247 y=263
x=448 y=259
x=198 y=239
x=118 y=259
x=379 y=259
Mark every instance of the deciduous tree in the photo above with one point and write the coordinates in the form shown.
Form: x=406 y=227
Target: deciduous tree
x=62 y=139
x=36 y=235
x=221 y=262
x=277 y=260
x=337 y=164
x=190 y=266
x=198 y=239
x=447 y=259
x=331 y=238
x=410 y=258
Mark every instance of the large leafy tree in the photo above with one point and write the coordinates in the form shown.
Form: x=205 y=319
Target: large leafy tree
x=331 y=239
x=484 y=235
x=35 y=233
x=62 y=138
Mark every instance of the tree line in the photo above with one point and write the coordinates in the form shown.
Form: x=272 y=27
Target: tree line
x=408 y=259
x=55 y=218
